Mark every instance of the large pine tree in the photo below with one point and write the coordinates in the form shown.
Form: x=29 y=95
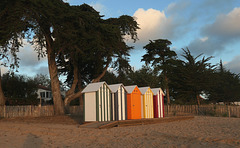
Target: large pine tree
x=161 y=57
x=77 y=36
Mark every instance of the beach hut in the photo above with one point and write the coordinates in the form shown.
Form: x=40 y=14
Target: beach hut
x=97 y=102
x=119 y=102
x=133 y=102
x=147 y=102
x=158 y=102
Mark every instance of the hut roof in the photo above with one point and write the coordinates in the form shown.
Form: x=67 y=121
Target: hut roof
x=94 y=87
x=114 y=87
x=155 y=91
x=130 y=88
x=143 y=89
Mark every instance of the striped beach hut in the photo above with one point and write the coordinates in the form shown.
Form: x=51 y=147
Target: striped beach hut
x=133 y=102
x=97 y=102
x=158 y=102
x=119 y=102
x=147 y=102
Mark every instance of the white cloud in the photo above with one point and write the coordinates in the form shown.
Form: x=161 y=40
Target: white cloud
x=204 y=39
x=99 y=7
x=177 y=7
x=29 y=63
x=42 y=70
x=223 y=31
x=29 y=57
x=153 y=25
x=226 y=26
x=234 y=65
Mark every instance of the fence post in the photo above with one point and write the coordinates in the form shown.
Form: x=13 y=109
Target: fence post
x=229 y=114
x=167 y=108
x=4 y=111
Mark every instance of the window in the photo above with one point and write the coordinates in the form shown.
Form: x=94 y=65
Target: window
x=47 y=94
x=42 y=94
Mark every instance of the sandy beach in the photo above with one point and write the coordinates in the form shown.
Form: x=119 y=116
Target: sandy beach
x=65 y=132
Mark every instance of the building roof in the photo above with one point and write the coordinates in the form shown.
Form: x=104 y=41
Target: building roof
x=155 y=91
x=130 y=88
x=114 y=87
x=43 y=87
x=143 y=89
x=92 y=87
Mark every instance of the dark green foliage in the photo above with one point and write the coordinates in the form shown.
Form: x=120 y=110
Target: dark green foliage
x=31 y=19
x=110 y=78
x=191 y=78
x=226 y=86
x=19 y=90
x=98 y=42
x=159 y=53
x=162 y=58
x=145 y=76
x=77 y=36
x=42 y=80
x=122 y=71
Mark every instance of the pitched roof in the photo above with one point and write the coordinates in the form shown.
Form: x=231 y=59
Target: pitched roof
x=43 y=87
x=114 y=87
x=155 y=91
x=94 y=87
x=143 y=89
x=130 y=88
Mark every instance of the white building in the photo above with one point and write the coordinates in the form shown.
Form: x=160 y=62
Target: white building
x=44 y=93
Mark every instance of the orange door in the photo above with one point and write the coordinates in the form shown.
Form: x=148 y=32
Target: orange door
x=136 y=106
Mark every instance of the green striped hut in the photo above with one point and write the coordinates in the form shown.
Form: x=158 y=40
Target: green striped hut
x=119 y=101
x=97 y=102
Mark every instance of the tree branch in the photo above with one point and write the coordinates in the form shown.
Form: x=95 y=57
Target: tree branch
x=75 y=81
x=102 y=74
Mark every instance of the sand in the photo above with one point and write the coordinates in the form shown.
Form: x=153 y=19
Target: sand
x=63 y=132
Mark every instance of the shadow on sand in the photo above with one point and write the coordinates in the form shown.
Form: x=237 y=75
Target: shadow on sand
x=33 y=141
x=75 y=113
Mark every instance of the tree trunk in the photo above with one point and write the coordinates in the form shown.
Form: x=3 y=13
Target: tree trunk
x=75 y=82
x=2 y=98
x=55 y=85
x=198 y=100
x=72 y=95
x=71 y=92
x=167 y=89
x=102 y=74
x=80 y=88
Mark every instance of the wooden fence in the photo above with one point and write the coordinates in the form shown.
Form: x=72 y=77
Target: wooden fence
x=34 y=111
x=209 y=110
x=74 y=110
x=172 y=110
x=23 y=111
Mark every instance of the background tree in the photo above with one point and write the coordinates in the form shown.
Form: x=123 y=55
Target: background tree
x=19 y=89
x=145 y=76
x=193 y=77
x=2 y=97
x=226 y=86
x=43 y=80
x=110 y=78
x=162 y=58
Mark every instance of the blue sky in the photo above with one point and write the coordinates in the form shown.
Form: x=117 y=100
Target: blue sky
x=211 y=27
